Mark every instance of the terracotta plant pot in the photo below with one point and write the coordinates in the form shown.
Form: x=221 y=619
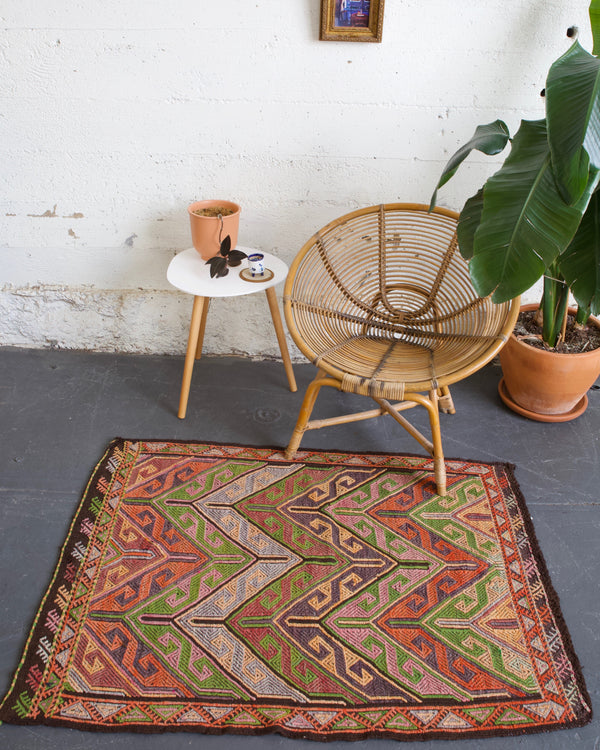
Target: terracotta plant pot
x=543 y=385
x=207 y=231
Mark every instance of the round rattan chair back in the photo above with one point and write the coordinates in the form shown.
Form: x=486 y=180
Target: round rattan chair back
x=381 y=300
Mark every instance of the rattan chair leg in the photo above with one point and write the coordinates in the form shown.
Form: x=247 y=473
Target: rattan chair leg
x=305 y=411
x=411 y=429
x=439 y=466
x=431 y=403
x=445 y=400
x=435 y=446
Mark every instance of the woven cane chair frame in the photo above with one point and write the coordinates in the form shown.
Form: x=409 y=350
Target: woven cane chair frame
x=380 y=300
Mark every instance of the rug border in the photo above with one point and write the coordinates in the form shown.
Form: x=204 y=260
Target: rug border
x=142 y=728
x=59 y=566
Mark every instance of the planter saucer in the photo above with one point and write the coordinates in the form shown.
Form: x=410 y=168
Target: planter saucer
x=246 y=274
x=578 y=409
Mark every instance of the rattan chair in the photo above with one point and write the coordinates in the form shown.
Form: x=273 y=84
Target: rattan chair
x=380 y=300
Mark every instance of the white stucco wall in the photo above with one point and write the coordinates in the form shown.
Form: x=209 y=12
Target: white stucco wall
x=115 y=115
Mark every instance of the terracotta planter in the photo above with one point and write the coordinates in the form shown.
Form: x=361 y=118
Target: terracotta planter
x=546 y=386
x=206 y=230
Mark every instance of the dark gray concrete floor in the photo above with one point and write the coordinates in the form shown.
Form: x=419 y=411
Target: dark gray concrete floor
x=59 y=409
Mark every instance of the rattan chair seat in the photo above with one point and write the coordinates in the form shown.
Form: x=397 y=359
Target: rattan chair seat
x=381 y=301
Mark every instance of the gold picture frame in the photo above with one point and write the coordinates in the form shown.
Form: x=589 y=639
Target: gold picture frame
x=351 y=20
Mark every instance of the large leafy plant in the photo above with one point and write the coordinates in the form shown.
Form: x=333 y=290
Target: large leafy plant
x=539 y=215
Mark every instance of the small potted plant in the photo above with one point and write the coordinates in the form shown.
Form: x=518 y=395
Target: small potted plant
x=211 y=221
x=539 y=216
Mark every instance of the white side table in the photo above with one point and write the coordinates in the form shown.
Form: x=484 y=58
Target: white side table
x=189 y=273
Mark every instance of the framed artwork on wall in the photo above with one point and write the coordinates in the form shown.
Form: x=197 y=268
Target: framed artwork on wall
x=352 y=20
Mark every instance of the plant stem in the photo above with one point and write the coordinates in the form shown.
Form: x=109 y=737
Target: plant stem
x=554 y=306
x=563 y=327
x=582 y=315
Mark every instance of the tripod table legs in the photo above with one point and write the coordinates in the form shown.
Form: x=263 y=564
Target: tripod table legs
x=196 y=339
x=194 y=348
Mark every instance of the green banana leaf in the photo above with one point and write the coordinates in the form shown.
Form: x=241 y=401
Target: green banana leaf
x=525 y=224
x=490 y=139
x=595 y=24
x=580 y=263
x=573 y=116
x=468 y=221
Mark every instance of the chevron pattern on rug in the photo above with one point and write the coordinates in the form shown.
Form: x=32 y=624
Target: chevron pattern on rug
x=223 y=588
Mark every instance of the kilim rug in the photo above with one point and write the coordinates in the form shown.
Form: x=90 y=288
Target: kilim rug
x=221 y=588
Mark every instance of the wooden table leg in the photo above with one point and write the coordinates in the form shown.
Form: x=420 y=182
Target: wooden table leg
x=283 y=347
x=205 y=307
x=197 y=310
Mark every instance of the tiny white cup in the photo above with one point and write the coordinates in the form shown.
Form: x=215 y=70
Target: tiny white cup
x=255 y=264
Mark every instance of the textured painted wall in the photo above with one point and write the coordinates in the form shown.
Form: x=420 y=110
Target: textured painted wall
x=115 y=115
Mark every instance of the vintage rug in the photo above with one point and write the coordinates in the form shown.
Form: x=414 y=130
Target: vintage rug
x=220 y=588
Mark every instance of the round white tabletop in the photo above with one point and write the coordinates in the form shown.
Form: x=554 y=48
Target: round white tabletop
x=189 y=273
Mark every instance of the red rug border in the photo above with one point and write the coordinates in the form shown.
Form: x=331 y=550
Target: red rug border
x=142 y=728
